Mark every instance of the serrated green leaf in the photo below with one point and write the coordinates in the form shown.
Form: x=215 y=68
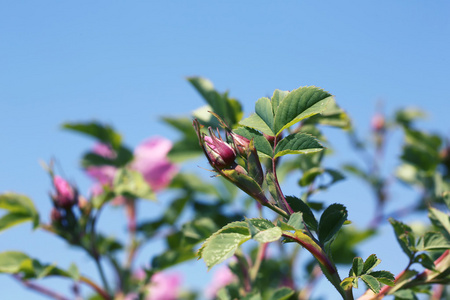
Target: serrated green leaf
x=268 y=235
x=371 y=262
x=20 y=209
x=132 y=184
x=278 y=97
x=441 y=220
x=371 y=282
x=331 y=221
x=357 y=266
x=222 y=244
x=104 y=133
x=285 y=226
x=298 y=143
x=283 y=293
x=405 y=237
x=296 y=220
x=262 y=145
x=298 y=105
x=435 y=241
x=263 y=108
x=299 y=206
x=385 y=277
x=256 y=122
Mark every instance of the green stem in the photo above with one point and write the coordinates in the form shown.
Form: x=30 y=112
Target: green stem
x=327 y=266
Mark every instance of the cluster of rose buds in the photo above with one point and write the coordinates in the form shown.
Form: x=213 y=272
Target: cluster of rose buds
x=222 y=156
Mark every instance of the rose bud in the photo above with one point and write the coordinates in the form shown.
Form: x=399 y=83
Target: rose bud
x=221 y=154
x=66 y=196
x=55 y=216
x=240 y=143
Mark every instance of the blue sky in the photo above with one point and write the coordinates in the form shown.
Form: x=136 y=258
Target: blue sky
x=125 y=63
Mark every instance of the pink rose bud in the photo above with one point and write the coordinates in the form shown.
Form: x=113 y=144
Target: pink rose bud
x=66 y=196
x=377 y=122
x=241 y=143
x=220 y=153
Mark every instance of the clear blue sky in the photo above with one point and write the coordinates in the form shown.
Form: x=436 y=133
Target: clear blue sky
x=125 y=63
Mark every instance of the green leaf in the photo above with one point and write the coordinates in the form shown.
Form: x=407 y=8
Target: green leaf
x=299 y=206
x=298 y=105
x=296 y=220
x=357 y=267
x=333 y=115
x=123 y=157
x=73 y=272
x=384 y=277
x=405 y=237
x=278 y=97
x=256 y=122
x=20 y=209
x=371 y=282
x=283 y=293
x=435 y=241
x=331 y=221
x=224 y=243
x=172 y=257
x=130 y=183
x=268 y=235
x=425 y=260
x=262 y=145
x=371 y=262
x=103 y=133
x=347 y=283
x=229 y=110
x=11 y=261
x=405 y=295
x=441 y=220
x=263 y=108
x=297 y=143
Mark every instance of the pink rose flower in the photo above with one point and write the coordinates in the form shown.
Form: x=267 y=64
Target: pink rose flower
x=222 y=277
x=150 y=159
x=164 y=286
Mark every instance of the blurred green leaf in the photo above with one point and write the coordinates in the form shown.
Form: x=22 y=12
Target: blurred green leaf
x=130 y=183
x=283 y=293
x=435 y=241
x=104 y=133
x=441 y=220
x=19 y=209
x=229 y=110
x=333 y=115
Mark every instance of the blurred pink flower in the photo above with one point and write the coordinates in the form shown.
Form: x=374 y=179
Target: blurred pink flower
x=150 y=159
x=222 y=277
x=164 y=286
